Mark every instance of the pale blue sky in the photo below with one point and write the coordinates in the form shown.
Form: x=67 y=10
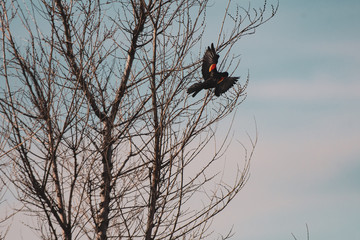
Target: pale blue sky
x=304 y=92
x=305 y=95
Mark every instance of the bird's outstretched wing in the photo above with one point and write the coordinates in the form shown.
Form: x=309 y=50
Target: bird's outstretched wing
x=224 y=84
x=210 y=60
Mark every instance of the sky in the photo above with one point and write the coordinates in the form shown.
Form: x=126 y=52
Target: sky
x=304 y=93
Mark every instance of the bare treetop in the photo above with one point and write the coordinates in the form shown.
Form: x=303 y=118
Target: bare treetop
x=98 y=131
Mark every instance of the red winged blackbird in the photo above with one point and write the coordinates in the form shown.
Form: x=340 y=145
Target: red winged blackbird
x=213 y=79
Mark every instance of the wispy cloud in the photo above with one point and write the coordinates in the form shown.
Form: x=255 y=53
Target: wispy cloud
x=320 y=87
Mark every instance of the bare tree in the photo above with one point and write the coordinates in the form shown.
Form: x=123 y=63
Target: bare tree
x=99 y=133
x=3 y=226
x=307 y=234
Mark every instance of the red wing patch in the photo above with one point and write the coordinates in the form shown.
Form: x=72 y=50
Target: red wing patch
x=221 y=79
x=212 y=67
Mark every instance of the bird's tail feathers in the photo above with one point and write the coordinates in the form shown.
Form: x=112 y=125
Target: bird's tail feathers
x=195 y=88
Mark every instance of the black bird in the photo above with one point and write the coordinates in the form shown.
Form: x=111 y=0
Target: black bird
x=213 y=79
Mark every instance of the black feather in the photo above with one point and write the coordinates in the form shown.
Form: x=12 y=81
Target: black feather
x=212 y=78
